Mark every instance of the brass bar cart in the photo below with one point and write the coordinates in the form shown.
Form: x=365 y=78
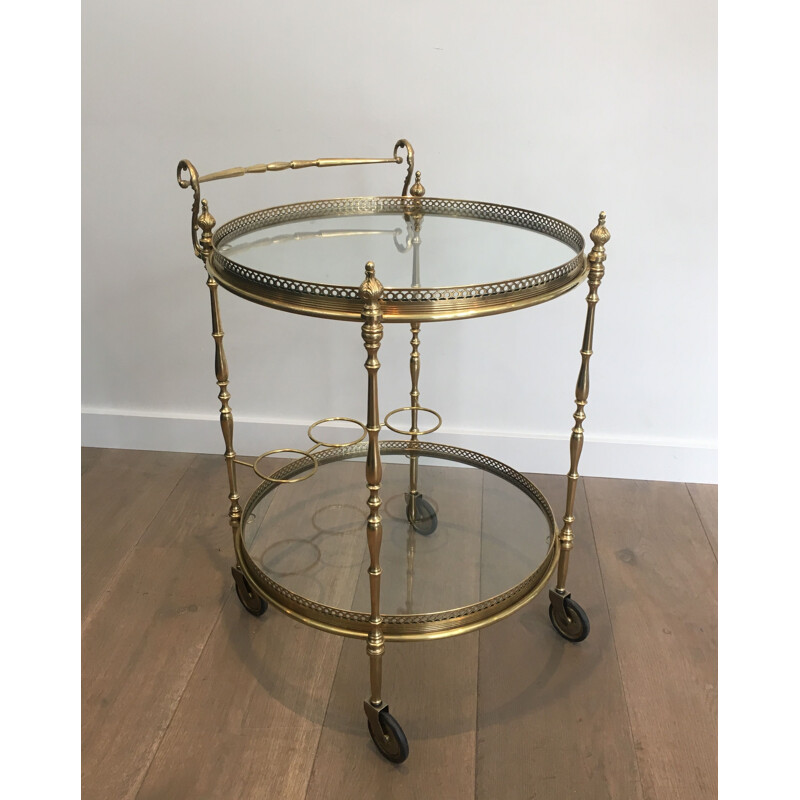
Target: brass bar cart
x=480 y=259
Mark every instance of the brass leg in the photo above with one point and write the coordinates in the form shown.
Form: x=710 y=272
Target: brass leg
x=414 y=464
x=385 y=731
x=411 y=510
x=372 y=333
x=419 y=511
x=225 y=413
x=414 y=370
x=567 y=616
x=410 y=550
x=249 y=599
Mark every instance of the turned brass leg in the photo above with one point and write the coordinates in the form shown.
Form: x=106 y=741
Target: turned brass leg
x=419 y=511
x=372 y=333
x=225 y=413
x=414 y=459
x=249 y=599
x=206 y=222
x=567 y=616
x=413 y=467
x=385 y=732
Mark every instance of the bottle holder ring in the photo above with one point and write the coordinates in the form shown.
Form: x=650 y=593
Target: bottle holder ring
x=409 y=432
x=309 y=454
x=302 y=453
x=337 y=419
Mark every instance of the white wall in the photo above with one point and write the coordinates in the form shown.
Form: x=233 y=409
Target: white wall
x=564 y=108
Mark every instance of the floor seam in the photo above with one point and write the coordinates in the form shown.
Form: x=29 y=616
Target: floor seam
x=183 y=692
x=702 y=524
x=324 y=719
x=614 y=644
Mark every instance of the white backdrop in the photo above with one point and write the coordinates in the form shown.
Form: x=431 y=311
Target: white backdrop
x=567 y=109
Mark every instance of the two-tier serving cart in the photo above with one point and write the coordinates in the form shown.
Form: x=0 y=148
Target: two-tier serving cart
x=299 y=539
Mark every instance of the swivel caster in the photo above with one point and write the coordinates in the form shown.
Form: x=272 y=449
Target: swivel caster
x=568 y=618
x=421 y=514
x=252 y=603
x=387 y=734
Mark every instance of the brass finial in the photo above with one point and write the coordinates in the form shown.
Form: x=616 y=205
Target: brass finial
x=371 y=290
x=205 y=220
x=600 y=234
x=206 y=223
x=418 y=190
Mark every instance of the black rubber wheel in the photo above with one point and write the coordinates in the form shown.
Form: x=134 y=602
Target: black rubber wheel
x=421 y=515
x=575 y=625
x=251 y=602
x=390 y=740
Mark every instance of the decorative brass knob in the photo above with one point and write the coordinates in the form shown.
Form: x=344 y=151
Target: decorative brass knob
x=600 y=234
x=418 y=190
x=206 y=221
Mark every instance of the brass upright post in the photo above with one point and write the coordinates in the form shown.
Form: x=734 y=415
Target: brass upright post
x=206 y=223
x=417 y=191
x=371 y=291
x=597 y=256
x=414 y=369
x=413 y=465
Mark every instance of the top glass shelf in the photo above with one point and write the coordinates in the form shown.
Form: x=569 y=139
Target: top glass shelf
x=437 y=259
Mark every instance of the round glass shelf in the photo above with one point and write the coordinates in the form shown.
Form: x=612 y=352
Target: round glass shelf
x=436 y=258
x=489 y=549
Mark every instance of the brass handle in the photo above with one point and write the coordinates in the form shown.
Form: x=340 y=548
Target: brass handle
x=277 y=166
x=194 y=180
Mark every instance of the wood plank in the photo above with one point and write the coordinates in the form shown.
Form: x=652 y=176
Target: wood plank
x=430 y=686
x=431 y=691
x=552 y=717
x=705 y=498
x=251 y=717
x=122 y=491
x=660 y=580
x=89 y=457
x=143 y=643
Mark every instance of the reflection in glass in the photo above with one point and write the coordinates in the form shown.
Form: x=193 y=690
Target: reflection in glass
x=310 y=537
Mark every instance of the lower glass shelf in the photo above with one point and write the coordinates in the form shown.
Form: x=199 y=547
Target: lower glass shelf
x=475 y=541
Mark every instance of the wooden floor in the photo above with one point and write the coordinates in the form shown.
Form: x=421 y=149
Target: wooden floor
x=185 y=695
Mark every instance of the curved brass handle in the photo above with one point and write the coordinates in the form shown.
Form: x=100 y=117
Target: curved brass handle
x=409 y=160
x=278 y=166
x=194 y=180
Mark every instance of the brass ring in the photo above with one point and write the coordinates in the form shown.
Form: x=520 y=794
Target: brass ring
x=413 y=433
x=286 y=480
x=337 y=419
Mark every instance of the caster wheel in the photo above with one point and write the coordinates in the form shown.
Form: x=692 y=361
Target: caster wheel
x=252 y=603
x=390 y=739
x=421 y=514
x=574 y=625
